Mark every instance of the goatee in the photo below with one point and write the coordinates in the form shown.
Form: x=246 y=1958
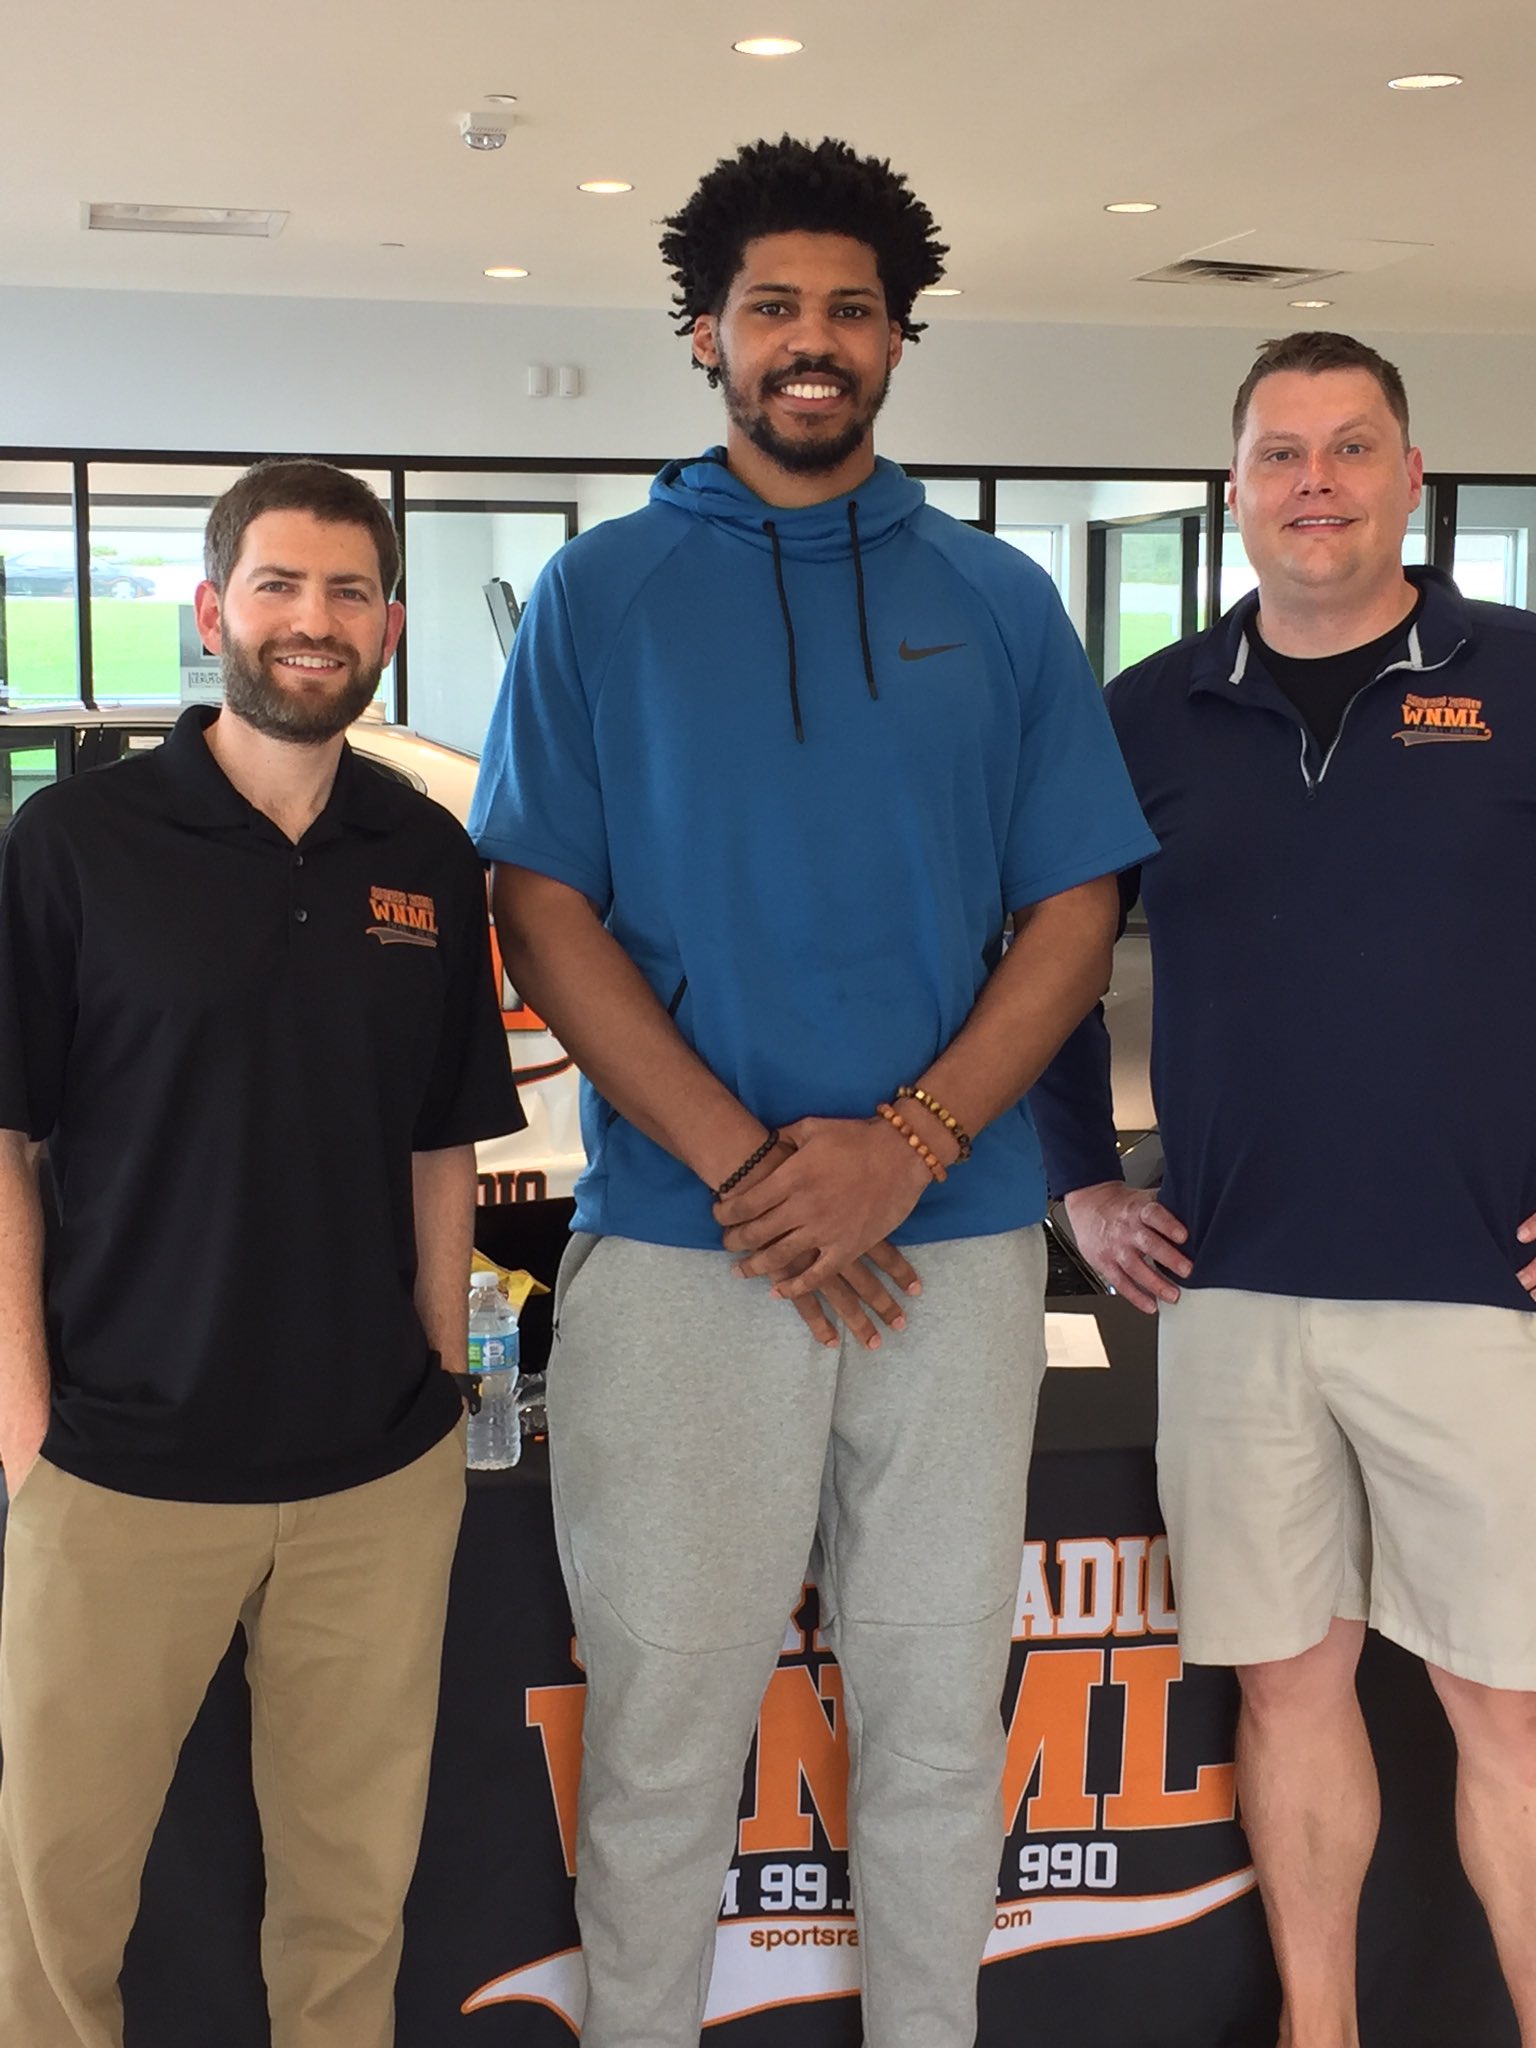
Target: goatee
x=303 y=717
x=809 y=455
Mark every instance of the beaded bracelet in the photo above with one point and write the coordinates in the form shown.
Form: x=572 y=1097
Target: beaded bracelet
x=961 y=1136
x=746 y=1166
x=897 y=1123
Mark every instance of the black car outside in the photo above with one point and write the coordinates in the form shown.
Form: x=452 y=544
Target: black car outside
x=40 y=575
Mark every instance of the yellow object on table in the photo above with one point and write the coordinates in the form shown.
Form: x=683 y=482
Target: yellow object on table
x=515 y=1285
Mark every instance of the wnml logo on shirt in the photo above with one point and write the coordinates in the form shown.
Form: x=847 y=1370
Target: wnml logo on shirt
x=400 y=919
x=1428 y=720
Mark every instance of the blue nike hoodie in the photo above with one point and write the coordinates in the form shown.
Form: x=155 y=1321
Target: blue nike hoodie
x=803 y=761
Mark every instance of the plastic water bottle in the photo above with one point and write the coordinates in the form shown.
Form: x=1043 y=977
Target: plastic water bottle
x=495 y=1438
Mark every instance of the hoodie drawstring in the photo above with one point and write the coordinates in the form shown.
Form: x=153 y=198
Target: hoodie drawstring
x=772 y=532
x=789 y=627
x=858 y=579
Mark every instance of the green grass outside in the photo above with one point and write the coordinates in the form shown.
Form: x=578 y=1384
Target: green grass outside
x=1141 y=634
x=137 y=649
x=135 y=643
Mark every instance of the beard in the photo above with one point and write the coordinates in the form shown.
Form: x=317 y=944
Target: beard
x=812 y=454
x=305 y=717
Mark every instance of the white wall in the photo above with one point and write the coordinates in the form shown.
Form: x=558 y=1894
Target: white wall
x=168 y=370
x=456 y=659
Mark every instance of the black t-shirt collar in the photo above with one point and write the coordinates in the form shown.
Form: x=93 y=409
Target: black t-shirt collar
x=1350 y=664
x=1446 y=624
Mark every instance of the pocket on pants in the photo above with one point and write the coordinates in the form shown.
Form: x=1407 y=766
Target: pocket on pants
x=27 y=1487
x=574 y=1266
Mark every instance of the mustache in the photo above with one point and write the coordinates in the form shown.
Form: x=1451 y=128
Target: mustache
x=336 y=650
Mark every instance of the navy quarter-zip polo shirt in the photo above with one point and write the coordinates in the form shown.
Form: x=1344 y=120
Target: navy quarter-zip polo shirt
x=232 y=1046
x=1344 y=965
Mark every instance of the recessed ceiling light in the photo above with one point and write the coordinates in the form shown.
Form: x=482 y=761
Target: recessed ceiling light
x=1133 y=206
x=500 y=99
x=506 y=270
x=941 y=291
x=605 y=185
x=768 y=46
x=1311 y=305
x=1424 y=81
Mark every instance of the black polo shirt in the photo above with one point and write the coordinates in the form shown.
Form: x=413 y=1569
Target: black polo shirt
x=232 y=1046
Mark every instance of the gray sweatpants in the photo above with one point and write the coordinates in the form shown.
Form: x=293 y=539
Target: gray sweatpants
x=701 y=1440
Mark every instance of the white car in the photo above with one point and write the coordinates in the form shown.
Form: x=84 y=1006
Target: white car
x=39 y=746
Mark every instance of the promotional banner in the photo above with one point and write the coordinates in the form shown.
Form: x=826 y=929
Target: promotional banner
x=1126 y=1915
x=1119 y=1799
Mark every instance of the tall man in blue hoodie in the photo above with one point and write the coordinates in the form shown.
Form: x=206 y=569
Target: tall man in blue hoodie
x=1340 y=773
x=774 y=760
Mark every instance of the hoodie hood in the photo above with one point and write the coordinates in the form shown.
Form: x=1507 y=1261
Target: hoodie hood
x=839 y=529
x=706 y=489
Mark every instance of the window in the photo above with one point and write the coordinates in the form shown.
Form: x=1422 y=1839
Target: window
x=29 y=761
x=1127 y=555
x=1493 y=542
x=39 y=656
x=474 y=546
x=1146 y=568
x=1042 y=544
x=959 y=496
x=1046 y=519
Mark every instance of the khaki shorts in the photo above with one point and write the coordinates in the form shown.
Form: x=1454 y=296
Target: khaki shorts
x=1365 y=1459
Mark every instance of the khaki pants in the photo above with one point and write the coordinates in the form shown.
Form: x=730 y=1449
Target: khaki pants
x=117 y=1611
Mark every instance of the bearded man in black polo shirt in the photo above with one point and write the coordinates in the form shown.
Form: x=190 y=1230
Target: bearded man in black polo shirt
x=246 y=1004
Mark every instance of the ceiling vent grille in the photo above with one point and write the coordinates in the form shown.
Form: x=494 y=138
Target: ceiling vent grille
x=1216 y=270
x=125 y=218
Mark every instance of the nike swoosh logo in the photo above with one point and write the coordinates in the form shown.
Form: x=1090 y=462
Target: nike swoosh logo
x=922 y=653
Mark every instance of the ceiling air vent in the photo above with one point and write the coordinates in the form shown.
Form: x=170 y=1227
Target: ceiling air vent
x=125 y=218
x=1220 y=270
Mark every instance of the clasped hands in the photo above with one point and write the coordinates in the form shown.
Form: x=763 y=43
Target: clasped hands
x=815 y=1217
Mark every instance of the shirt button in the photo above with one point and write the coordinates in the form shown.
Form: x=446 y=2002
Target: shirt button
x=298 y=860
x=301 y=917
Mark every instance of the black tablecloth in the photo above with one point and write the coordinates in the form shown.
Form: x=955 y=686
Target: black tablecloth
x=492 y=1894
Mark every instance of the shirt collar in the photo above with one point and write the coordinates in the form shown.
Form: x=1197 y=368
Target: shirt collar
x=1444 y=626
x=202 y=795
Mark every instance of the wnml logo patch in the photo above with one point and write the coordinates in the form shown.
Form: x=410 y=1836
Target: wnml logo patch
x=1429 y=721
x=401 y=919
x=1119 y=1794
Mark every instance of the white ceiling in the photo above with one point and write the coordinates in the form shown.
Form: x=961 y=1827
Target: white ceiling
x=1016 y=120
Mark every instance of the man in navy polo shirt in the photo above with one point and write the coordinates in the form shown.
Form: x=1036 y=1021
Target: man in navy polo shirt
x=1342 y=778
x=774 y=759
x=246 y=1004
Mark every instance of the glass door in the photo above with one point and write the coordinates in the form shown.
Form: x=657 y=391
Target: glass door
x=1146 y=574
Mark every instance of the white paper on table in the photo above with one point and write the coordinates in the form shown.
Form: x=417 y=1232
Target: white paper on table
x=1074 y=1340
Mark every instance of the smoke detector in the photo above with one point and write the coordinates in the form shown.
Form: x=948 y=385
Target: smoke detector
x=487 y=130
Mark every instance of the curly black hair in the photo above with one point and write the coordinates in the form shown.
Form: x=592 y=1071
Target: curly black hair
x=775 y=188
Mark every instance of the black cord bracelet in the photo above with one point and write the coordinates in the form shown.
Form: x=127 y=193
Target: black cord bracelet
x=746 y=1166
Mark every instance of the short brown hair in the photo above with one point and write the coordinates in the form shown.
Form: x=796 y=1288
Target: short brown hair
x=287 y=484
x=1312 y=354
